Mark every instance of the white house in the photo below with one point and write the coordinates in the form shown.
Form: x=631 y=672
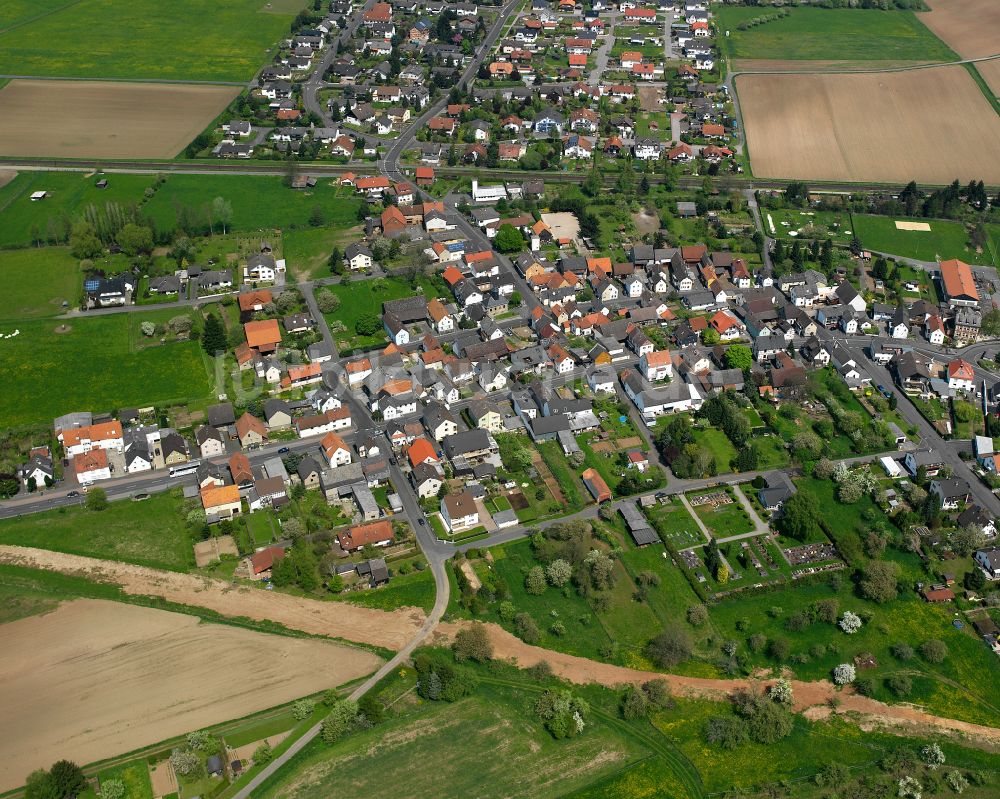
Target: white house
x=459 y=511
x=488 y=194
x=656 y=365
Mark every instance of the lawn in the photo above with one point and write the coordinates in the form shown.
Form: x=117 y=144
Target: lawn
x=944 y=240
x=725 y=520
x=259 y=203
x=69 y=194
x=830 y=34
x=721 y=447
x=39 y=281
x=143 y=39
x=494 y=719
x=307 y=250
x=99 y=364
x=361 y=297
x=150 y=533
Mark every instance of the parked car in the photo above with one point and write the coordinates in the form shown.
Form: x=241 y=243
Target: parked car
x=73 y=494
x=283 y=450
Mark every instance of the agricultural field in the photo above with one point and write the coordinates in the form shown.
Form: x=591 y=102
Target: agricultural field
x=150 y=533
x=53 y=368
x=945 y=239
x=100 y=119
x=95 y=678
x=875 y=126
x=145 y=39
x=532 y=764
x=949 y=20
x=851 y=35
x=39 y=281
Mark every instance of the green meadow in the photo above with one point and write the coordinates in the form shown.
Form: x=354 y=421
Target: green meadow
x=99 y=363
x=148 y=39
x=820 y=34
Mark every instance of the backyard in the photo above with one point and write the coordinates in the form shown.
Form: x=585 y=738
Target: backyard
x=945 y=239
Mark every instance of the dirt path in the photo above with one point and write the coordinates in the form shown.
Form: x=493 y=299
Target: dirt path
x=335 y=619
x=811 y=697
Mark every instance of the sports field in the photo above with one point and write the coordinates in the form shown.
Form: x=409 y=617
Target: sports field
x=226 y=40
x=99 y=119
x=820 y=34
x=945 y=239
x=875 y=127
x=94 y=679
x=99 y=363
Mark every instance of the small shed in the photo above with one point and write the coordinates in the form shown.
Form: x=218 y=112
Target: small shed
x=213 y=765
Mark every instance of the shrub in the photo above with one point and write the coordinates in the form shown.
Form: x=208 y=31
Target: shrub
x=781 y=692
x=932 y=756
x=934 y=651
x=473 y=643
x=901 y=651
x=697 y=615
x=303 y=709
x=559 y=572
x=535 y=582
x=112 y=789
x=562 y=713
x=909 y=788
x=526 y=629
x=726 y=731
x=670 y=647
x=900 y=685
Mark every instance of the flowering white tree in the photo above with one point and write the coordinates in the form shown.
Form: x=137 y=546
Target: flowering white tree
x=559 y=571
x=844 y=674
x=955 y=779
x=841 y=472
x=933 y=756
x=850 y=623
x=909 y=788
x=781 y=692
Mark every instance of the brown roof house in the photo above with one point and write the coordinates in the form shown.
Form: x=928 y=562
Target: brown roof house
x=378 y=534
x=251 y=431
x=459 y=511
x=260 y=563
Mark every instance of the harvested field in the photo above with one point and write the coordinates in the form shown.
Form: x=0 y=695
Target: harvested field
x=94 y=679
x=212 y=550
x=105 y=120
x=334 y=619
x=871 y=127
x=564 y=224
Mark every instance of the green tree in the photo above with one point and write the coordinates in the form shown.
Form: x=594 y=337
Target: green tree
x=213 y=336
x=670 y=647
x=97 y=499
x=509 y=239
x=368 y=324
x=83 y=241
x=800 y=515
x=740 y=357
x=534 y=581
x=473 y=643
x=879 y=581
x=327 y=301
x=135 y=240
x=991 y=323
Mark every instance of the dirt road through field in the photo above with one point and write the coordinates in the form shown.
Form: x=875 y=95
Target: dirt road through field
x=334 y=619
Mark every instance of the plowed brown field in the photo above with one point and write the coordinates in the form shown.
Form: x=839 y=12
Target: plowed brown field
x=931 y=125
x=94 y=679
x=950 y=21
x=96 y=119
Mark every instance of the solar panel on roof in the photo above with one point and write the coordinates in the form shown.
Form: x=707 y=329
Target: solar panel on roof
x=91 y=285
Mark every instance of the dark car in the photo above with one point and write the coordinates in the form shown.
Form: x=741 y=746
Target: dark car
x=420 y=521
x=73 y=494
x=283 y=450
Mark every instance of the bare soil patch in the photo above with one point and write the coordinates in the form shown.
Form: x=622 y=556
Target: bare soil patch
x=96 y=119
x=563 y=224
x=969 y=27
x=163 y=779
x=93 y=679
x=212 y=550
x=650 y=98
x=6 y=176
x=334 y=619
x=871 y=127
x=645 y=222
x=62 y=329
